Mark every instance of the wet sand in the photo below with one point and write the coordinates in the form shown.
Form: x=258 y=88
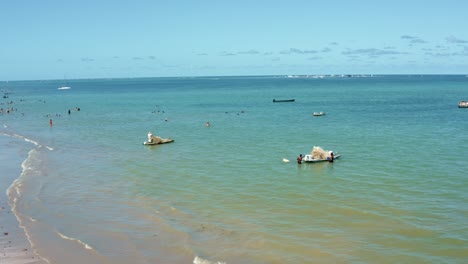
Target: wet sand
x=14 y=245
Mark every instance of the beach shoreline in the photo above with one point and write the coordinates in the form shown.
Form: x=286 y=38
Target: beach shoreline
x=15 y=246
x=86 y=190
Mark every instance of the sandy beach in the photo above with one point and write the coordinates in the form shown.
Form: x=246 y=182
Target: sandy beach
x=15 y=247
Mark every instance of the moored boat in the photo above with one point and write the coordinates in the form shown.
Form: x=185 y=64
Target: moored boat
x=283 y=100
x=310 y=158
x=155 y=140
x=320 y=155
x=158 y=142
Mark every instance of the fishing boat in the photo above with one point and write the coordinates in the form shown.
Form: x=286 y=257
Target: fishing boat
x=320 y=155
x=158 y=142
x=318 y=114
x=283 y=100
x=310 y=158
x=155 y=140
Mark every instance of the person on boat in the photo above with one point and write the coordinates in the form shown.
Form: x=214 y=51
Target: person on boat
x=331 y=158
x=150 y=137
x=299 y=159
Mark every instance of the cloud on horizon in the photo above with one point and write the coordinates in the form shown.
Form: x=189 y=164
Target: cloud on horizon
x=413 y=39
x=297 y=51
x=442 y=54
x=315 y=58
x=446 y=53
x=452 y=39
x=372 y=52
x=225 y=53
x=248 y=52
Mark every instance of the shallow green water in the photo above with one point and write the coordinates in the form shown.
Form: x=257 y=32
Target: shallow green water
x=222 y=193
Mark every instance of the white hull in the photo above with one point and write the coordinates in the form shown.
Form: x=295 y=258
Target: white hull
x=308 y=158
x=163 y=141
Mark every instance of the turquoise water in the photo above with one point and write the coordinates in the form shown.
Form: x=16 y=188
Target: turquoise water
x=222 y=193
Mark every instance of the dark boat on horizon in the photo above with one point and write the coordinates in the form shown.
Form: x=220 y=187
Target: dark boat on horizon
x=282 y=101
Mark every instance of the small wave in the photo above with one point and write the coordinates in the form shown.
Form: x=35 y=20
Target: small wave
x=15 y=186
x=14 y=203
x=29 y=140
x=36 y=143
x=74 y=239
x=198 y=260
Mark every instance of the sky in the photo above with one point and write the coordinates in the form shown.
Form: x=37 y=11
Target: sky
x=61 y=39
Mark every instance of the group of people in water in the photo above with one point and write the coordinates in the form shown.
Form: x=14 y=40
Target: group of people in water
x=59 y=115
x=8 y=110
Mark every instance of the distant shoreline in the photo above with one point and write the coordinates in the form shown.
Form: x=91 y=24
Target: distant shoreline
x=312 y=76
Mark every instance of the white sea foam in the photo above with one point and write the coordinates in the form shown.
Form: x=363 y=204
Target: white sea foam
x=30 y=141
x=75 y=240
x=36 y=143
x=16 y=186
x=14 y=202
x=198 y=260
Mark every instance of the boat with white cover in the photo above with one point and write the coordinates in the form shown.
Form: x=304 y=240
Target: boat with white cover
x=155 y=140
x=320 y=155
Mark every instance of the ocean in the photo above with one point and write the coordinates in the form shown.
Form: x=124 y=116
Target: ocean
x=89 y=191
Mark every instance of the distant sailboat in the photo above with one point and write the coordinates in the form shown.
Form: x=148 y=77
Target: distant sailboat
x=65 y=87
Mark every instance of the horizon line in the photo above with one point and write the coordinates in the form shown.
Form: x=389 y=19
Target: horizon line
x=262 y=75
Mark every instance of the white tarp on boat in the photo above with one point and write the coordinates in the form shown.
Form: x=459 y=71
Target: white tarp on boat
x=320 y=154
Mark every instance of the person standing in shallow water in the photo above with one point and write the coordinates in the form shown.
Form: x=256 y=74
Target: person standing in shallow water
x=299 y=159
x=50 y=122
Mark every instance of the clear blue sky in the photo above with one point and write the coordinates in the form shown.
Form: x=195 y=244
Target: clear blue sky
x=56 y=39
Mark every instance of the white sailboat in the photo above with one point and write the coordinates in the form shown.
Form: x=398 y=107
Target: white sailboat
x=64 y=87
